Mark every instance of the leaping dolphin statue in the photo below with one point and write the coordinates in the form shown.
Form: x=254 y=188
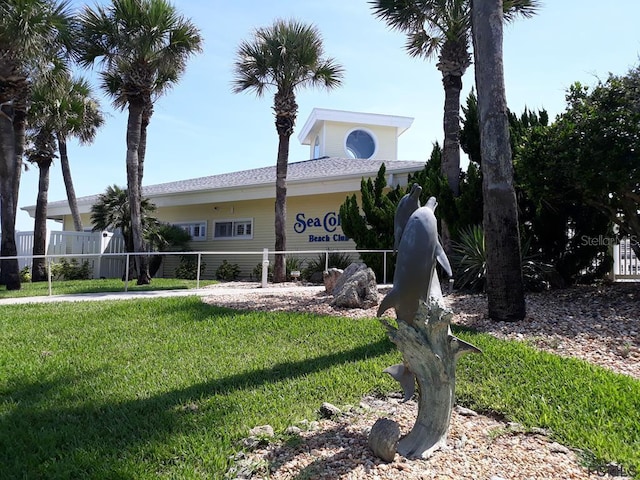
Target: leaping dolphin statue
x=406 y=206
x=418 y=251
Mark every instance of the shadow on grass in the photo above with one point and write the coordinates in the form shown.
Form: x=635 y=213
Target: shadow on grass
x=88 y=437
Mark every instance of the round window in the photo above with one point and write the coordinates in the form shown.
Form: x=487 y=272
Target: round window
x=360 y=144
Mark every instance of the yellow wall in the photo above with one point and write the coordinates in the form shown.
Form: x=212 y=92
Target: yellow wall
x=312 y=224
x=335 y=135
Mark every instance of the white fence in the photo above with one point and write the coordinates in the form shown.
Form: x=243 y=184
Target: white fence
x=78 y=243
x=625 y=263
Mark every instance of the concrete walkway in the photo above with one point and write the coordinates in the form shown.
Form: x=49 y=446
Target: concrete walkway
x=213 y=290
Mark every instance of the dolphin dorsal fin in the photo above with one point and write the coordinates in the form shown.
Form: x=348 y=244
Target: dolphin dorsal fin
x=443 y=260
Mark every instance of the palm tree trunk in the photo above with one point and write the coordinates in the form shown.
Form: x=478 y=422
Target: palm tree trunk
x=38 y=269
x=68 y=182
x=504 y=286
x=142 y=148
x=451 y=121
x=450 y=166
x=282 y=165
x=9 y=269
x=134 y=126
x=19 y=128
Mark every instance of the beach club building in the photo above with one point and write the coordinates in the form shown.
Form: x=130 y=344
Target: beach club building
x=234 y=212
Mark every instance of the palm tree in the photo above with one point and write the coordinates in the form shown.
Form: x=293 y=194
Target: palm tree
x=442 y=28
x=79 y=116
x=41 y=153
x=285 y=56
x=60 y=107
x=505 y=288
x=113 y=212
x=143 y=46
x=33 y=34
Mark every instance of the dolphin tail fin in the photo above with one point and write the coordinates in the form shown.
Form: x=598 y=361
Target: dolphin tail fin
x=405 y=377
x=387 y=302
x=443 y=260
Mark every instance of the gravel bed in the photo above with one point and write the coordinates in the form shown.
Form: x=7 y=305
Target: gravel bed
x=596 y=323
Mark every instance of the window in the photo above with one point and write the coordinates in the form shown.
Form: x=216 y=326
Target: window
x=239 y=229
x=316 y=148
x=197 y=230
x=360 y=144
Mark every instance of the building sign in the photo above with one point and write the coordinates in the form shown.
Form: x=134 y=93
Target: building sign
x=320 y=229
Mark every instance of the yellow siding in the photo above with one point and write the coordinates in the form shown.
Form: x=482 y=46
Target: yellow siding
x=336 y=132
x=318 y=210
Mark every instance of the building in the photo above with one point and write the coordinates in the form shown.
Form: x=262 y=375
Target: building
x=234 y=212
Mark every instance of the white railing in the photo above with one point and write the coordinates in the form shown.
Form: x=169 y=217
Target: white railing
x=626 y=265
x=123 y=260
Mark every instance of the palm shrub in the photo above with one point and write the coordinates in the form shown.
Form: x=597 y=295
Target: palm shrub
x=167 y=237
x=339 y=260
x=470 y=263
x=470 y=259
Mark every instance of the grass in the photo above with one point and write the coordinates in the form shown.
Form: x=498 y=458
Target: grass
x=168 y=387
x=69 y=287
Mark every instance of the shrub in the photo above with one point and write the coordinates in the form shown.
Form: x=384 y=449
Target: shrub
x=257 y=272
x=25 y=275
x=227 y=271
x=71 y=270
x=339 y=260
x=470 y=263
x=188 y=268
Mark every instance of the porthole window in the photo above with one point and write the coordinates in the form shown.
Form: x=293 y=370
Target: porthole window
x=360 y=144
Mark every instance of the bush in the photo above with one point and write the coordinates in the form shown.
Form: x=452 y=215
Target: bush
x=227 y=271
x=71 y=270
x=257 y=272
x=336 y=260
x=470 y=263
x=188 y=268
x=25 y=275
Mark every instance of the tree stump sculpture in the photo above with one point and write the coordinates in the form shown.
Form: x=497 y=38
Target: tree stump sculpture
x=423 y=334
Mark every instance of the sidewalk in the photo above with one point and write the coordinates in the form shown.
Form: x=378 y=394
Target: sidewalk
x=222 y=289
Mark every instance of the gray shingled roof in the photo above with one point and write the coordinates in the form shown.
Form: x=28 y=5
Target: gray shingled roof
x=304 y=171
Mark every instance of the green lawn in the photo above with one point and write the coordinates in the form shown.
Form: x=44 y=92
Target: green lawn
x=69 y=287
x=167 y=387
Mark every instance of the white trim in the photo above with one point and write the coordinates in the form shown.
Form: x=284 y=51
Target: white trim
x=234 y=222
x=319 y=115
x=367 y=131
x=199 y=223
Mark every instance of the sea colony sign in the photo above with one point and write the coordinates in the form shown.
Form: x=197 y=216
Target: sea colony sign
x=320 y=229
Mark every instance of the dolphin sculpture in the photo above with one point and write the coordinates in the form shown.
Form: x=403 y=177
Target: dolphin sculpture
x=407 y=379
x=407 y=205
x=418 y=251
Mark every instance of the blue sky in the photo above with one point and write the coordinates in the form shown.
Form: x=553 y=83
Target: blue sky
x=201 y=128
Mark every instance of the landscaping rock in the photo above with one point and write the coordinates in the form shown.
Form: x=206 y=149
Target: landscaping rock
x=328 y=410
x=383 y=439
x=330 y=278
x=356 y=288
x=316 y=278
